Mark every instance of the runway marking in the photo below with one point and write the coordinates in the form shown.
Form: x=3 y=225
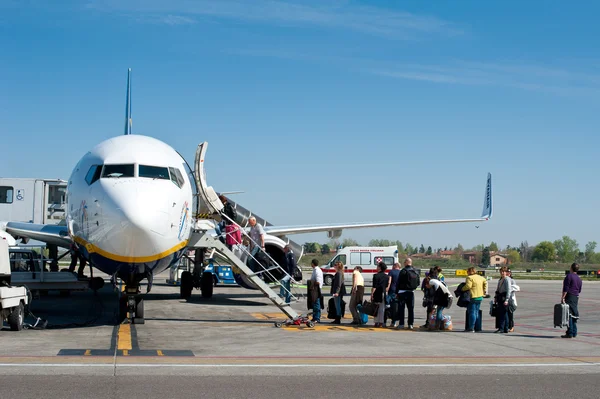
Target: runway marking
x=124 y=337
x=319 y=327
x=124 y=343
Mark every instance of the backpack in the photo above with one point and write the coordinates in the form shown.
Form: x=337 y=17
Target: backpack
x=413 y=279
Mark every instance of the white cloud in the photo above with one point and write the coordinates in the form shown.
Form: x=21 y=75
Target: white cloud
x=325 y=14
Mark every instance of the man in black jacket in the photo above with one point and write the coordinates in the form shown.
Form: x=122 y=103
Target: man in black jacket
x=290 y=268
x=408 y=281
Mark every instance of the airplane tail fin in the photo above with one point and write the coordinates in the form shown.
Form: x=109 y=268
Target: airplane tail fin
x=487 y=199
x=128 y=121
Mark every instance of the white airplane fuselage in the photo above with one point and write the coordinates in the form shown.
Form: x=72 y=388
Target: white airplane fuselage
x=129 y=206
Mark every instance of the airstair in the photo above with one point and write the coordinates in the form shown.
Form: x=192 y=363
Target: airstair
x=207 y=239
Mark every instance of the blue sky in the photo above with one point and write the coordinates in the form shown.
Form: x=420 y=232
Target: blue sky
x=327 y=111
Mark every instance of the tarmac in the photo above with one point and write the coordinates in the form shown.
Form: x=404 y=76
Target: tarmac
x=233 y=334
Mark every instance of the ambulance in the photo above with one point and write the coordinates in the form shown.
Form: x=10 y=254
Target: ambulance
x=365 y=257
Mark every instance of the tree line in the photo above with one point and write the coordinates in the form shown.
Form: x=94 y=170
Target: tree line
x=565 y=250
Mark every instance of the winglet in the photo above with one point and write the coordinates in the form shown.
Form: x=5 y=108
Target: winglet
x=128 y=121
x=487 y=199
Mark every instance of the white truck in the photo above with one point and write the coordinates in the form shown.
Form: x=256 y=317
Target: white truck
x=31 y=200
x=13 y=300
x=365 y=257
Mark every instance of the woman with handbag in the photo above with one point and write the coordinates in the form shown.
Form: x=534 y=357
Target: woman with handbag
x=380 y=282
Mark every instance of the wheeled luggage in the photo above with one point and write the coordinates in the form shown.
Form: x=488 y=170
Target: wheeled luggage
x=364 y=318
x=331 y=311
x=561 y=315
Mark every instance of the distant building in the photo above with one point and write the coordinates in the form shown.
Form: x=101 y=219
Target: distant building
x=497 y=259
x=446 y=254
x=471 y=256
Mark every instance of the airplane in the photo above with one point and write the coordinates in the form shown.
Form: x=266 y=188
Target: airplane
x=130 y=211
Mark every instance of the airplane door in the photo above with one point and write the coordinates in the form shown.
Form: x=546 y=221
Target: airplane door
x=206 y=193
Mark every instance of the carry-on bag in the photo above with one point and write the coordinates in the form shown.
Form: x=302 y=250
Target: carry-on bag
x=561 y=315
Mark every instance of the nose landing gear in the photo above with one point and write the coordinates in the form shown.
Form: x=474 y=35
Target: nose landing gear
x=131 y=305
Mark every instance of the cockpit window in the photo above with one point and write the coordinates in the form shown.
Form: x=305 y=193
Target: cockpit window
x=154 y=172
x=118 y=170
x=93 y=174
x=176 y=177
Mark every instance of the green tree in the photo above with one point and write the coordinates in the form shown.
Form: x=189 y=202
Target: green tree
x=309 y=247
x=325 y=249
x=493 y=247
x=543 y=252
x=421 y=249
x=459 y=249
x=317 y=248
x=485 y=256
x=409 y=249
x=349 y=242
x=590 y=251
x=525 y=251
x=567 y=249
x=429 y=251
x=513 y=256
x=398 y=243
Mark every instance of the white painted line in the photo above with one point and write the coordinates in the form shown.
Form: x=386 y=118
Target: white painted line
x=581 y=364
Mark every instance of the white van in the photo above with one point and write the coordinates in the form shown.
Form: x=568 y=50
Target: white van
x=365 y=257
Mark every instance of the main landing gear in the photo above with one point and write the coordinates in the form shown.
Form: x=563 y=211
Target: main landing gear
x=197 y=278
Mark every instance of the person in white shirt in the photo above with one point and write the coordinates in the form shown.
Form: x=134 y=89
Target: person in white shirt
x=316 y=284
x=440 y=298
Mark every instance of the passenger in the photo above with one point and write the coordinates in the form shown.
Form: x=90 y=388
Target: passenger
x=512 y=302
x=290 y=269
x=233 y=235
x=428 y=296
x=228 y=210
x=338 y=290
x=392 y=289
x=76 y=255
x=570 y=295
x=357 y=293
x=257 y=242
x=503 y=293
x=407 y=283
x=440 y=276
x=440 y=298
x=380 y=281
x=476 y=285
x=316 y=284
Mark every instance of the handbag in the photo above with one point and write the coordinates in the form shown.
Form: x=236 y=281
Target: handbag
x=493 y=309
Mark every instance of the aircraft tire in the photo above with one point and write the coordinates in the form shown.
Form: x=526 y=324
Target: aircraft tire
x=206 y=285
x=187 y=285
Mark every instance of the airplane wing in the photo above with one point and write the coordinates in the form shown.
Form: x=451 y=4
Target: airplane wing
x=335 y=230
x=50 y=234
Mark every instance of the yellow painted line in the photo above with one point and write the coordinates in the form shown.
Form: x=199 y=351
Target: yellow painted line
x=88 y=352
x=159 y=353
x=125 y=352
x=339 y=328
x=124 y=337
x=134 y=259
x=268 y=316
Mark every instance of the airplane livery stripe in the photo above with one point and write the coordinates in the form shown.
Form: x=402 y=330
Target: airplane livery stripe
x=130 y=259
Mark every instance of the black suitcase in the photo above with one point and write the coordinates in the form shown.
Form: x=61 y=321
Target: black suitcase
x=561 y=315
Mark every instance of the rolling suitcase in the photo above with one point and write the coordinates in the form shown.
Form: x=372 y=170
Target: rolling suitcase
x=561 y=315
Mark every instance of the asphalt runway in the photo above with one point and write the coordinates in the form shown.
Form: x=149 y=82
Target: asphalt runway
x=232 y=334
x=379 y=386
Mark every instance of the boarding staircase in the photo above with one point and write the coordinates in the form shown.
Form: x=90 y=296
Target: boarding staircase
x=206 y=238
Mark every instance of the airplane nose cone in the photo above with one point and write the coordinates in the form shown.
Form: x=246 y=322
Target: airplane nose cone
x=140 y=211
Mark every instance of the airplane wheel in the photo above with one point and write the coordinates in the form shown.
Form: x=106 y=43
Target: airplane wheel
x=206 y=284
x=122 y=308
x=187 y=285
x=139 y=308
x=15 y=318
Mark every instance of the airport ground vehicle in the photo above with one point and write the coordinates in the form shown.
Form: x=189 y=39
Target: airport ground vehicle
x=222 y=274
x=31 y=270
x=28 y=200
x=13 y=300
x=365 y=257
